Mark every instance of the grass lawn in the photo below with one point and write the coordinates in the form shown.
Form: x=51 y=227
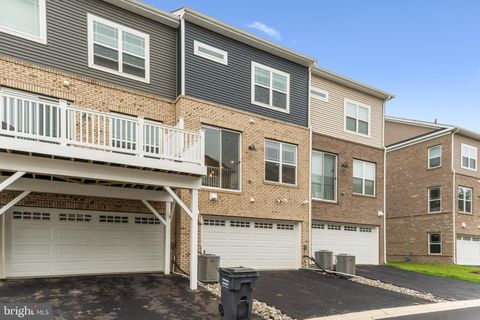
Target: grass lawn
x=442 y=270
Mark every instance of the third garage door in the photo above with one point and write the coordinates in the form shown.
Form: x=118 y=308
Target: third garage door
x=468 y=250
x=259 y=244
x=358 y=240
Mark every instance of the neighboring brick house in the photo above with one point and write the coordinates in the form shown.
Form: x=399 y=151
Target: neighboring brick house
x=432 y=192
x=347 y=166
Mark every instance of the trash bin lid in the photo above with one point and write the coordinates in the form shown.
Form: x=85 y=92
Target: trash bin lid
x=238 y=271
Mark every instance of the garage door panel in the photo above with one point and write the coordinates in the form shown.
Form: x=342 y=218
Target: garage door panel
x=57 y=246
x=468 y=250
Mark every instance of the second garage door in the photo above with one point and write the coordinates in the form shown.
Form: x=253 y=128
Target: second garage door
x=258 y=244
x=358 y=240
x=468 y=250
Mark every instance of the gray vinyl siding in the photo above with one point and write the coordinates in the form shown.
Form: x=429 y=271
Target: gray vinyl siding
x=230 y=85
x=67 y=49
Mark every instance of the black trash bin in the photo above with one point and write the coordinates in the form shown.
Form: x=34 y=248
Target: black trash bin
x=237 y=292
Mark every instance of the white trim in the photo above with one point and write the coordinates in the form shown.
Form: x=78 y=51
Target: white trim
x=429 y=199
x=441 y=244
x=280 y=162
x=470 y=148
x=319 y=97
x=357 y=104
x=194 y=239
x=429 y=157
x=91 y=18
x=252 y=86
x=363 y=178
x=465 y=200
x=197 y=52
x=323 y=153
x=42 y=11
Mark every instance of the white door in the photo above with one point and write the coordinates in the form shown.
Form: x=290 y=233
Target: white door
x=258 y=244
x=360 y=241
x=468 y=250
x=47 y=242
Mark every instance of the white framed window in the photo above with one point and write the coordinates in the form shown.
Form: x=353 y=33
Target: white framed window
x=324 y=176
x=211 y=53
x=270 y=88
x=469 y=157
x=222 y=158
x=434 y=200
x=364 y=174
x=357 y=117
x=117 y=49
x=280 y=162
x=24 y=18
x=435 y=157
x=434 y=244
x=319 y=94
x=465 y=196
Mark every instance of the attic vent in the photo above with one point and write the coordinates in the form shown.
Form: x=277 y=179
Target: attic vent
x=19 y=215
x=240 y=224
x=113 y=219
x=143 y=220
x=284 y=226
x=214 y=222
x=75 y=217
x=263 y=225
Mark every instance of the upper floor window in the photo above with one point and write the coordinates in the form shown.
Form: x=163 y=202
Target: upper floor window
x=324 y=175
x=222 y=158
x=357 y=117
x=434 y=157
x=209 y=52
x=24 y=18
x=280 y=162
x=465 y=199
x=319 y=94
x=270 y=88
x=118 y=49
x=434 y=199
x=469 y=157
x=364 y=177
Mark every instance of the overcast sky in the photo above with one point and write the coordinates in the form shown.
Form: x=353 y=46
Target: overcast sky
x=425 y=52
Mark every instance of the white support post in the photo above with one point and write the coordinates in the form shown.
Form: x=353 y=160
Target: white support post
x=63 y=122
x=194 y=239
x=168 y=220
x=140 y=136
x=13 y=202
x=14 y=177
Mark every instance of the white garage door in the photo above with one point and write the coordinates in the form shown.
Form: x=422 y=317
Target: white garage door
x=360 y=241
x=256 y=244
x=44 y=242
x=468 y=250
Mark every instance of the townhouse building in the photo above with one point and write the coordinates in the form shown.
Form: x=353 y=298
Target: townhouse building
x=432 y=192
x=347 y=186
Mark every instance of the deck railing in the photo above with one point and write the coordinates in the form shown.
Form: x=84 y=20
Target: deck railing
x=36 y=119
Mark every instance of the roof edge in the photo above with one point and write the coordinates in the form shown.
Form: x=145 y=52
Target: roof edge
x=419 y=139
x=232 y=32
x=418 y=123
x=351 y=83
x=147 y=11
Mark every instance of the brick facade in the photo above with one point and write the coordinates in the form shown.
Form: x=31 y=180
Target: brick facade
x=349 y=207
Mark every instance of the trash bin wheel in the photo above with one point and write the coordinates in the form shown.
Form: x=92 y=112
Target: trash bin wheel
x=220 y=310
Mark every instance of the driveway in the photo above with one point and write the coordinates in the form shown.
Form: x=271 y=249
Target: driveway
x=449 y=289
x=140 y=296
x=306 y=294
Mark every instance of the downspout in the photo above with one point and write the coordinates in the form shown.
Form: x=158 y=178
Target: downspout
x=454 y=198
x=384 y=185
x=182 y=52
x=309 y=228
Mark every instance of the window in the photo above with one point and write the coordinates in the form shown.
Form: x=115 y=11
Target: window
x=77 y=217
x=357 y=117
x=240 y=224
x=214 y=222
x=334 y=227
x=364 y=177
x=434 y=157
x=270 y=88
x=434 y=200
x=324 y=175
x=319 y=94
x=285 y=226
x=434 y=243
x=365 y=229
x=145 y=220
x=24 y=18
x=465 y=199
x=263 y=225
x=280 y=162
x=348 y=228
x=222 y=158
x=469 y=157
x=209 y=52
x=117 y=49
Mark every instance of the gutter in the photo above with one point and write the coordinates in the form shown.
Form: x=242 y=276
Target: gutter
x=384 y=185
x=454 y=198
x=419 y=139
